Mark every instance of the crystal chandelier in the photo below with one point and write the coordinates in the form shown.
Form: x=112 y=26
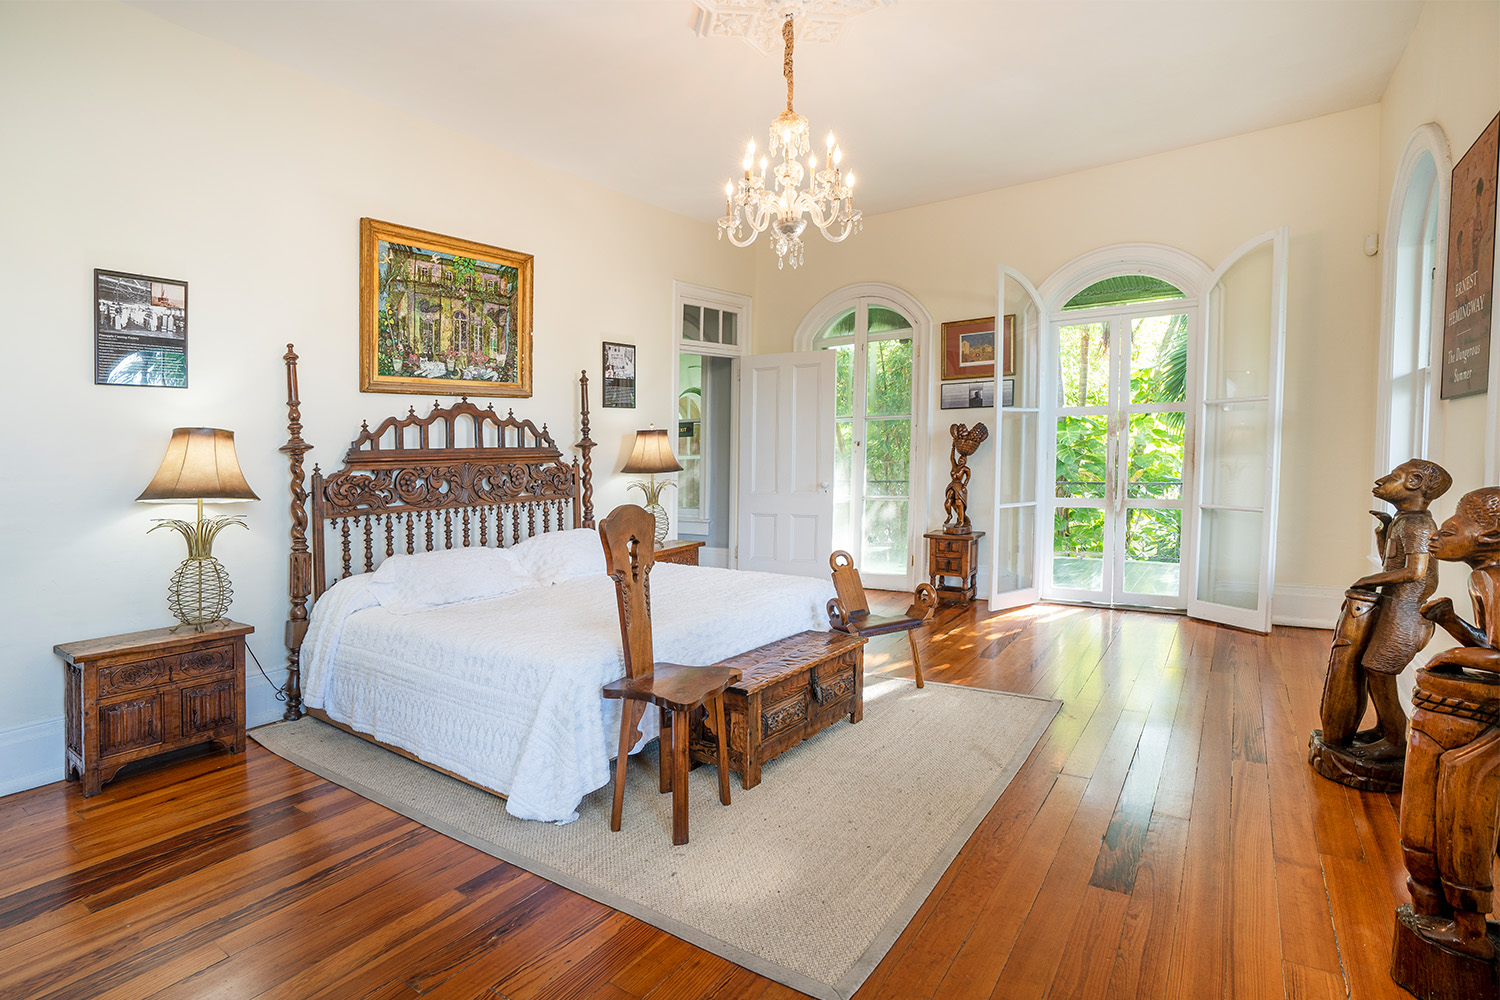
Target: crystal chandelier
x=828 y=199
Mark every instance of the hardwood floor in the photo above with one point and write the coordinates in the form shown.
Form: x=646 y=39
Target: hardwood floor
x=1165 y=839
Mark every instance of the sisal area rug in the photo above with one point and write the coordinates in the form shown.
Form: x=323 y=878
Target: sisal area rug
x=808 y=878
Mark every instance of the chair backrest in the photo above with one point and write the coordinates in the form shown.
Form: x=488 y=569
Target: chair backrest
x=629 y=536
x=846 y=582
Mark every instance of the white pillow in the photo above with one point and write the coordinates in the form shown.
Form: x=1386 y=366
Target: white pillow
x=559 y=556
x=405 y=584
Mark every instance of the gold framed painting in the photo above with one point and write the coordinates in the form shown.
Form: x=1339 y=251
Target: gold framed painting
x=969 y=348
x=442 y=315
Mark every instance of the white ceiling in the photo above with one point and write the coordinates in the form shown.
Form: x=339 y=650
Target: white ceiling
x=931 y=99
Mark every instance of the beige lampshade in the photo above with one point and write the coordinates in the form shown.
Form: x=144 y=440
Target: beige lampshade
x=652 y=453
x=200 y=464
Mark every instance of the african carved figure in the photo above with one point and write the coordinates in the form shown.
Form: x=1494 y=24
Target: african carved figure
x=1380 y=629
x=956 y=496
x=1452 y=793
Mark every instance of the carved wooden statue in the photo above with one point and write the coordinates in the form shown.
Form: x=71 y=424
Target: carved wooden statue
x=1379 y=630
x=956 y=498
x=1444 y=948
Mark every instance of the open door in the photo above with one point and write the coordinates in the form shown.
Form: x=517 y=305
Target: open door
x=786 y=463
x=1015 y=542
x=1238 y=444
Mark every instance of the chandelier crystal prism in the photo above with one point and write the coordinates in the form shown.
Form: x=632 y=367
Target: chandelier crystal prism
x=750 y=208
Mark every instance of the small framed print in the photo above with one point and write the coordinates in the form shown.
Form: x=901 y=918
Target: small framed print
x=975 y=393
x=619 y=376
x=1007 y=391
x=140 y=330
x=969 y=348
x=1008 y=346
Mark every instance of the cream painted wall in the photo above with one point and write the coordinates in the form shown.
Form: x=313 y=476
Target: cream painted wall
x=1318 y=177
x=134 y=145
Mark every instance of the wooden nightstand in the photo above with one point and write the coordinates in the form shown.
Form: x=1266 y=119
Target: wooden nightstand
x=676 y=551
x=132 y=696
x=953 y=556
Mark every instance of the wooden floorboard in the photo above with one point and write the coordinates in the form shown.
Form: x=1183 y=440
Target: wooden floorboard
x=1165 y=839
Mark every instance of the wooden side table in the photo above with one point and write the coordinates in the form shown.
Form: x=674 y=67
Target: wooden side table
x=674 y=550
x=953 y=557
x=137 y=695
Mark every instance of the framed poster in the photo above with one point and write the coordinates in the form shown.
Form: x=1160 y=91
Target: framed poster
x=1471 y=268
x=969 y=348
x=619 y=375
x=140 y=330
x=442 y=315
x=975 y=393
x=1008 y=346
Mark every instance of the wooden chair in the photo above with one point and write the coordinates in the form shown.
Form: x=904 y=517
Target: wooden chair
x=850 y=611
x=629 y=535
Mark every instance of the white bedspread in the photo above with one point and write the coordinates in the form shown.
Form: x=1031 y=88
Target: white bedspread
x=506 y=691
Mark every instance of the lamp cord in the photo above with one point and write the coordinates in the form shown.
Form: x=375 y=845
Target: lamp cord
x=280 y=693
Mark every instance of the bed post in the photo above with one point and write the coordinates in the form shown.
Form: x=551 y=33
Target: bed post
x=586 y=446
x=299 y=581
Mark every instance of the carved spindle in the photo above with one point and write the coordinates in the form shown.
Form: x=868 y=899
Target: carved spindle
x=347 y=562
x=369 y=545
x=484 y=527
x=390 y=546
x=586 y=445
x=546 y=517
x=411 y=544
x=429 y=531
x=515 y=526
x=300 y=563
x=447 y=529
x=530 y=519
x=466 y=527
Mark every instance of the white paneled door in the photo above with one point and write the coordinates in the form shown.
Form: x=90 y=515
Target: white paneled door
x=786 y=463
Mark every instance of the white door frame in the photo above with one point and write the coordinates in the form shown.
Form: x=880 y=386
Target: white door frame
x=907 y=304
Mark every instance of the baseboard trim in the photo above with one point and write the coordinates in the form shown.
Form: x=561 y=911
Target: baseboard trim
x=1306 y=607
x=30 y=755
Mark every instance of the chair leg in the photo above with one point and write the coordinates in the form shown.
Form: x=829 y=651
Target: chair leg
x=630 y=714
x=664 y=751
x=916 y=658
x=679 y=774
x=723 y=750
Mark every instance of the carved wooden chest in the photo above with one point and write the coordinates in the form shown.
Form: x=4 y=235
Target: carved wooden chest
x=788 y=690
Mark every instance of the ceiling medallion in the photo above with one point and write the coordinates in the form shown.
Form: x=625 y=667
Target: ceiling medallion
x=828 y=200
x=759 y=22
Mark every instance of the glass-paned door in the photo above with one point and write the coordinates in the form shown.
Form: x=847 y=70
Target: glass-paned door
x=874 y=424
x=1013 y=539
x=1119 y=432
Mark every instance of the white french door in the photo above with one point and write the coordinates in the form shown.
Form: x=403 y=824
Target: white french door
x=1119 y=429
x=1014 y=541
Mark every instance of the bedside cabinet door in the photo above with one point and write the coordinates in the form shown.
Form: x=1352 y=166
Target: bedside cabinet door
x=208 y=707
x=131 y=724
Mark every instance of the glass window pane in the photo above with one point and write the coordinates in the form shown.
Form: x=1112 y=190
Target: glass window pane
x=887 y=458
x=883 y=320
x=1153 y=552
x=690 y=484
x=692 y=321
x=1080 y=456
x=1239 y=339
x=1235 y=439
x=884 y=549
x=1078 y=548
x=1154 y=464
x=1124 y=289
x=1016 y=446
x=1229 y=558
x=843 y=534
x=1158 y=359
x=1083 y=365
x=888 y=378
x=840 y=327
x=711 y=326
x=1014 y=531
x=727 y=323
x=843 y=380
x=843 y=460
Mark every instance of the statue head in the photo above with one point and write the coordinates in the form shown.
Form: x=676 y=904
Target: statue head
x=1472 y=534
x=1413 y=484
x=966 y=441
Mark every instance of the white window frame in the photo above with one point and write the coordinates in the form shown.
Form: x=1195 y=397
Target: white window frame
x=687 y=294
x=1425 y=421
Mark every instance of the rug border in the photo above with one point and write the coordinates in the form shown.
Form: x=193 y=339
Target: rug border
x=868 y=959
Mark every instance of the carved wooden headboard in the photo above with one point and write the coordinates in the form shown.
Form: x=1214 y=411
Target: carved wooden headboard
x=460 y=476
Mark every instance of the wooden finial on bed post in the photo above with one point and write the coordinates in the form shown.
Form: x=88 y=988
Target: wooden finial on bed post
x=586 y=446
x=300 y=576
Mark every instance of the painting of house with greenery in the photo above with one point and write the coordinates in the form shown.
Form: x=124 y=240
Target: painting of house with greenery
x=446 y=316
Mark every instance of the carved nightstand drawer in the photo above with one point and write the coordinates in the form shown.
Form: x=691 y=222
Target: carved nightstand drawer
x=674 y=551
x=131 y=696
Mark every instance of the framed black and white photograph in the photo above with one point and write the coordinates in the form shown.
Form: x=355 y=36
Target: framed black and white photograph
x=619 y=375
x=1007 y=392
x=140 y=330
x=976 y=393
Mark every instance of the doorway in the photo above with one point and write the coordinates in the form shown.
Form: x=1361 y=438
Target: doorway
x=1120 y=444
x=704 y=425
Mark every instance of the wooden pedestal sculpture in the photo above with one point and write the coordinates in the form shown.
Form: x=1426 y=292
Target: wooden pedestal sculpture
x=1444 y=947
x=956 y=498
x=1380 y=629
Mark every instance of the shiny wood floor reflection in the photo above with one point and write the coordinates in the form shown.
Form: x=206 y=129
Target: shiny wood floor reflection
x=1165 y=839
